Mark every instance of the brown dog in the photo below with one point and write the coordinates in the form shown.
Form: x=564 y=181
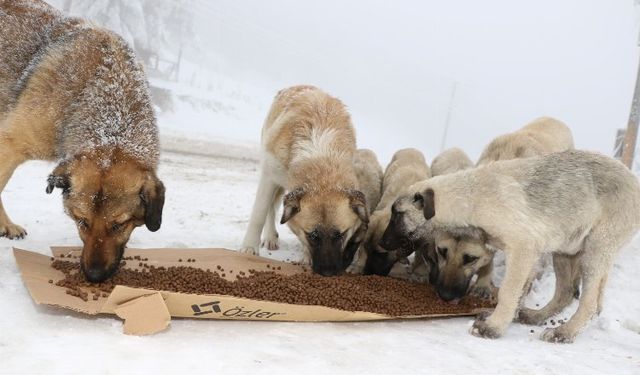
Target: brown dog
x=308 y=149
x=72 y=92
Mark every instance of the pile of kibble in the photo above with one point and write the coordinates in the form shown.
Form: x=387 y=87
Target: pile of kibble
x=383 y=295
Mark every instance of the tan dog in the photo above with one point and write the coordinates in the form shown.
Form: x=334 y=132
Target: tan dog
x=73 y=92
x=406 y=167
x=408 y=225
x=308 y=149
x=581 y=207
x=541 y=137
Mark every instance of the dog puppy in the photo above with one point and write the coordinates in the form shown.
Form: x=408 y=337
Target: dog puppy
x=406 y=167
x=75 y=93
x=408 y=228
x=581 y=207
x=308 y=150
x=542 y=136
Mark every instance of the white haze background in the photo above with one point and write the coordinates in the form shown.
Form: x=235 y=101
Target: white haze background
x=395 y=64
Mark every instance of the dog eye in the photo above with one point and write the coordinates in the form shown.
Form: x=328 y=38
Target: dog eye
x=337 y=235
x=82 y=223
x=116 y=227
x=313 y=236
x=443 y=252
x=468 y=259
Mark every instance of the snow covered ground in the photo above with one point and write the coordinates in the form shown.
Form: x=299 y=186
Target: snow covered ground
x=208 y=204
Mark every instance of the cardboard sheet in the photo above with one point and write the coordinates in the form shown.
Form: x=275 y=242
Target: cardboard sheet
x=134 y=304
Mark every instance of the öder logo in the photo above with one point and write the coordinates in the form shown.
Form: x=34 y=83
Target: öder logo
x=209 y=308
x=238 y=312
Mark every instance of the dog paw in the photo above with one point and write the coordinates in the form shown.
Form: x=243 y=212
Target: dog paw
x=557 y=335
x=249 y=250
x=271 y=242
x=529 y=317
x=484 y=292
x=483 y=329
x=12 y=231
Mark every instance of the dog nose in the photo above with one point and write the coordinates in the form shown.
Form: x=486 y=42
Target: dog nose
x=446 y=294
x=96 y=275
x=327 y=271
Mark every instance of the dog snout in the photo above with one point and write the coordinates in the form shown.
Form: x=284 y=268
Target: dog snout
x=447 y=294
x=97 y=274
x=327 y=270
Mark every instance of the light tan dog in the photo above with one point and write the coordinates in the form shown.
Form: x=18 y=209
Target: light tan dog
x=581 y=207
x=406 y=167
x=308 y=149
x=72 y=92
x=541 y=137
x=409 y=228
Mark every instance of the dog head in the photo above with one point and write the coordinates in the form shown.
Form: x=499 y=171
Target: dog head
x=407 y=226
x=330 y=224
x=107 y=202
x=458 y=258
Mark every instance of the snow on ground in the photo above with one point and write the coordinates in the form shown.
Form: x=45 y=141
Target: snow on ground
x=208 y=204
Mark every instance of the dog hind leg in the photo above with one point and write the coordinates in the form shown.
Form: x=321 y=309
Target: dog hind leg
x=595 y=262
x=564 y=268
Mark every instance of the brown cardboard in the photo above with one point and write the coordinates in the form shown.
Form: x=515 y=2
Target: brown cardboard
x=145 y=315
x=136 y=304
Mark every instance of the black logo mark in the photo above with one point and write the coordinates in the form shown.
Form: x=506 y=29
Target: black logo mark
x=209 y=308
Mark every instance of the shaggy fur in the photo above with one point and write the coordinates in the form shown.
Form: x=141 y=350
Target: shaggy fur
x=308 y=149
x=370 y=175
x=581 y=207
x=73 y=92
x=450 y=161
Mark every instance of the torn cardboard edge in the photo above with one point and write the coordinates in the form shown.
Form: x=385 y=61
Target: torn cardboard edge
x=148 y=311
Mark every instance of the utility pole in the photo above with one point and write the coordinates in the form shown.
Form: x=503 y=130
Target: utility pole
x=631 y=135
x=448 y=120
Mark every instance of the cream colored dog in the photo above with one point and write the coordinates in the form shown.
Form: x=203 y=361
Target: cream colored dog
x=581 y=207
x=308 y=149
x=370 y=175
x=541 y=137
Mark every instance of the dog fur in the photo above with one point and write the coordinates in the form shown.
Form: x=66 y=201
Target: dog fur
x=581 y=207
x=73 y=92
x=308 y=149
x=406 y=167
x=450 y=161
x=542 y=136
x=370 y=175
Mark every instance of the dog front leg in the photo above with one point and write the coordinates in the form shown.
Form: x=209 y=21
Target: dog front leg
x=270 y=235
x=9 y=161
x=519 y=263
x=483 y=288
x=264 y=199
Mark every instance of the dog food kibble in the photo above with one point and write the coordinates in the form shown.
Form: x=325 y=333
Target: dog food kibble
x=50 y=281
x=384 y=295
x=179 y=260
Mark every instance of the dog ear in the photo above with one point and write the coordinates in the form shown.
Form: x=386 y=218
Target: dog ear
x=152 y=196
x=59 y=178
x=291 y=204
x=359 y=205
x=429 y=206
